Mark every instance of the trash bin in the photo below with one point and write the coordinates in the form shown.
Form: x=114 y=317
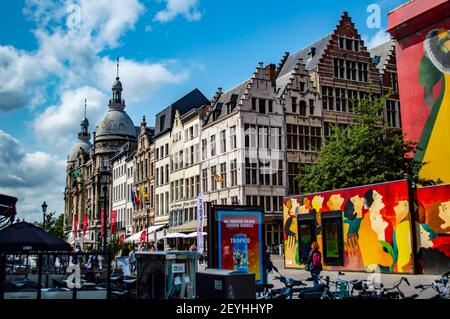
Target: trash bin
x=225 y=284
x=166 y=274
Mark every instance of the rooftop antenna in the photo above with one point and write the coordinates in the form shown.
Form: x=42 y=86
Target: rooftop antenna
x=85 y=105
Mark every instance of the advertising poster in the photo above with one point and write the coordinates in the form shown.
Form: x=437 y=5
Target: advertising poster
x=240 y=242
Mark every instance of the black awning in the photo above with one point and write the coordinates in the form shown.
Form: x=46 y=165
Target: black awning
x=24 y=236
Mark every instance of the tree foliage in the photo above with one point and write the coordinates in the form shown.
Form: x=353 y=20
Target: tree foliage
x=365 y=152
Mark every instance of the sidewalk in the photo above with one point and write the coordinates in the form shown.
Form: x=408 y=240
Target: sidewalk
x=388 y=280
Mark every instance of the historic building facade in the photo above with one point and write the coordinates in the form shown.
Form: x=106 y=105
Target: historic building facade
x=243 y=144
x=89 y=177
x=144 y=213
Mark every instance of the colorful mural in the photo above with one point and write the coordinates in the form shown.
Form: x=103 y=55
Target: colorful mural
x=432 y=219
x=423 y=63
x=376 y=227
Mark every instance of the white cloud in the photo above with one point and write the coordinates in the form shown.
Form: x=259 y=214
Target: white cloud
x=59 y=123
x=378 y=38
x=140 y=79
x=31 y=177
x=186 y=8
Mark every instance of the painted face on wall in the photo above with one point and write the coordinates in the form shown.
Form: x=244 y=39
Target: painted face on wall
x=317 y=202
x=444 y=214
x=358 y=203
x=378 y=225
x=401 y=211
x=335 y=202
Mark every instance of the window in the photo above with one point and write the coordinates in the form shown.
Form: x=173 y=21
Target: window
x=264 y=172
x=204 y=152
x=162 y=121
x=234 y=200
x=157 y=177
x=254 y=103
x=294 y=104
x=223 y=174
x=223 y=145
x=262 y=106
x=213 y=178
x=275 y=138
x=394 y=81
x=192 y=153
x=341 y=101
x=311 y=107
x=332 y=238
x=251 y=135
x=188 y=188
x=205 y=179
x=339 y=68
x=223 y=201
x=233 y=171
x=391 y=113
x=362 y=72
x=270 y=106
x=328 y=99
x=167 y=173
x=351 y=70
x=352 y=99
x=302 y=105
x=233 y=140
x=263 y=137
x=251 y=171
x=213 y=145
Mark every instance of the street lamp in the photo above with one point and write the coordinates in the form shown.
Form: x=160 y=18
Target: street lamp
x=147 y=207
x=44 y=210
x=105 y=181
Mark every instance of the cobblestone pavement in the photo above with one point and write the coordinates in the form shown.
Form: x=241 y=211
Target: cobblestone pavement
x=388 y=280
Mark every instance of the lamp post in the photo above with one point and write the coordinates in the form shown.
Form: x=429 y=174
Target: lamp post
x=147 y=207
x=105 y=181
x=44 y=210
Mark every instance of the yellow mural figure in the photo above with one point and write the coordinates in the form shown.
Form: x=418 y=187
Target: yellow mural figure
x=358 y=203
x=371 y=231
x=434 y=67
x=444 y=214
x=401 y=211
x=317 y=203
x=403 y=241
x=335 y=202
x=372 y=251
x=290 y=234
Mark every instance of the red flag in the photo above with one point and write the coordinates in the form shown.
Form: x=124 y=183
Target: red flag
x=85 y=223
x=75 y=225
x=122 y=239
x=113 y=221
x=103 y=222
x=144 y=236
x=138 y=202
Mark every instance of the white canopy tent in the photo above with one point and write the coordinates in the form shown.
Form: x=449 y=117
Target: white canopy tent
x=137 y=237
x=194 y=234
x=175 y=235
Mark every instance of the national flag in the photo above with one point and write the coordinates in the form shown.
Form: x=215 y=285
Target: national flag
x=113 y=221
x=144 y=236
x=75 y=225
x=144 y=193
x=218 y=178
x=133 y=198
x=122 y=239
x=85 y=224
x=200 y=218
x=138 y=202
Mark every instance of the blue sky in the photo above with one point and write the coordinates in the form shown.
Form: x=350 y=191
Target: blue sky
x=53 y=54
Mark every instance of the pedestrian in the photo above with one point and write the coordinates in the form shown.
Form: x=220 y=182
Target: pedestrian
x=315 y=263
x=132 y=259
x=193 y=248
x=267 y=261
x=152 y=246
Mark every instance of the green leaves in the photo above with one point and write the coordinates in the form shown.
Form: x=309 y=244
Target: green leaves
x=365 y=152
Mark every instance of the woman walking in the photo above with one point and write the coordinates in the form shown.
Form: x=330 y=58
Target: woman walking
x=315 y=263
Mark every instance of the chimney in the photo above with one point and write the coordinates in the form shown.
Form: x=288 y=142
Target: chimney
x=271 y=72
x=312 y=52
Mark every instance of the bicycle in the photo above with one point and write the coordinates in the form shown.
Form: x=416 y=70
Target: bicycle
x=443 y=293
